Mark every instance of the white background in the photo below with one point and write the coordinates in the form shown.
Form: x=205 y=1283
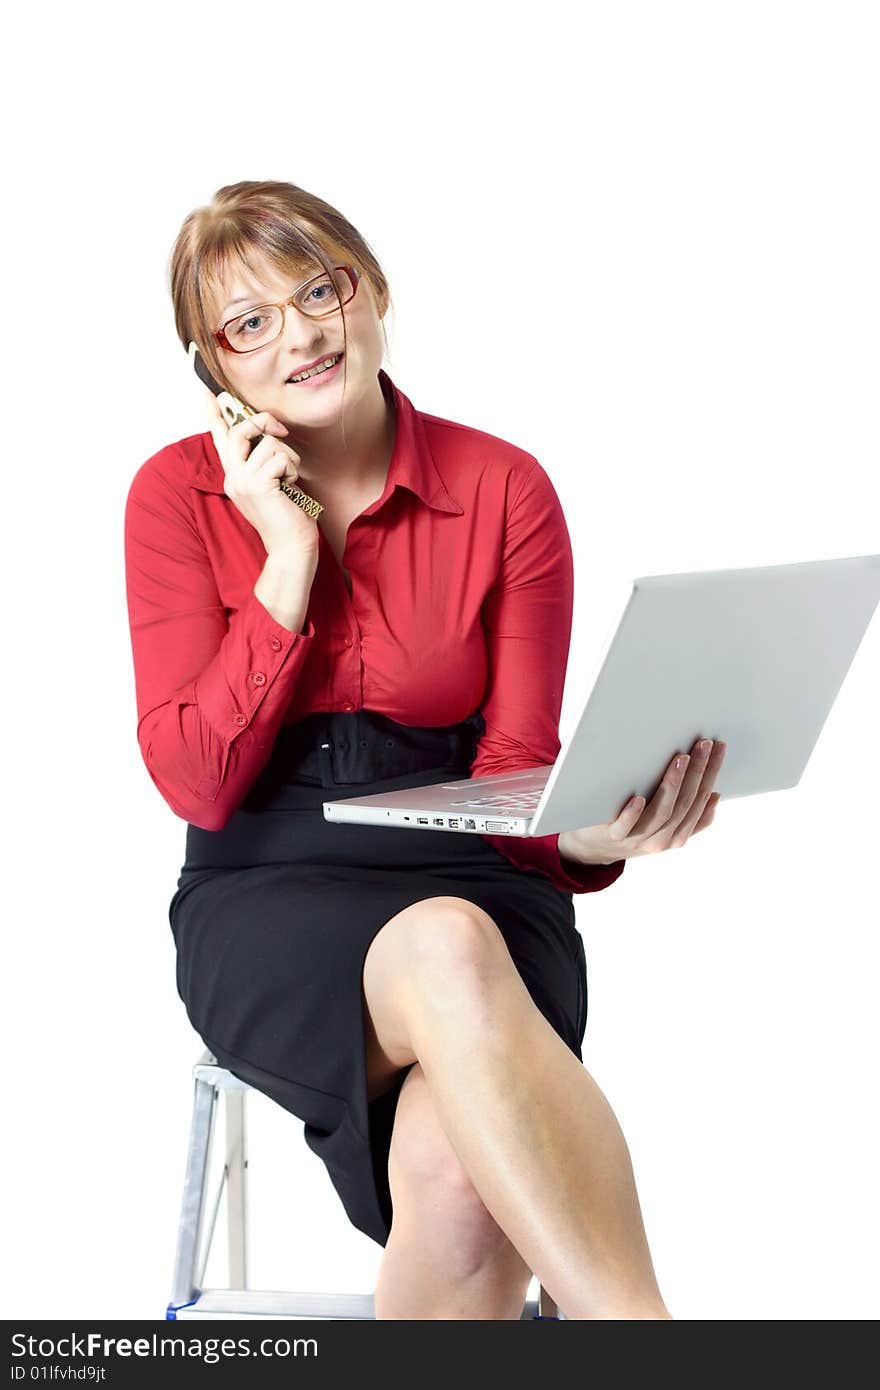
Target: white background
x=675 y=210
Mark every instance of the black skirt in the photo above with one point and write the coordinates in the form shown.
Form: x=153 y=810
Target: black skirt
x=274 y=914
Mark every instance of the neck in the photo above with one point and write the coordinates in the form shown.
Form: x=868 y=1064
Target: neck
x=360 y=462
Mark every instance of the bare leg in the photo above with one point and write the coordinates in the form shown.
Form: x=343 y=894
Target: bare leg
x=531 y=1128
x=415 y=1281
x=446 y=1256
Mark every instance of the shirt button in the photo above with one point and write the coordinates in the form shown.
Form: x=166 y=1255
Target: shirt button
x=258 y=678
x=348 y=704
x=276 y=645
x=240 y=718
x=348 y=641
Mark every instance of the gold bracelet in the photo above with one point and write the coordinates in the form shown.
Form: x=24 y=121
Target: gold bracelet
x=302 y=499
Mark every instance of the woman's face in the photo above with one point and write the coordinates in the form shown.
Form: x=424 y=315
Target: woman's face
x=261 y=377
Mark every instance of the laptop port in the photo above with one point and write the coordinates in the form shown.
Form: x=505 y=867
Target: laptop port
x=496 y=824
x=421 y=820
x=470 y=824
x=453 y=823
x=438 y=820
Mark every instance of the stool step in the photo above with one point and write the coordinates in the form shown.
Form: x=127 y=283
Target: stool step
x=273 y=1303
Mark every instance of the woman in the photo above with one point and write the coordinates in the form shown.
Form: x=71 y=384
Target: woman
x=418 y=1000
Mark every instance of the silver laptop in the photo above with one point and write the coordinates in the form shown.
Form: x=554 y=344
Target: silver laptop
x=754 y=657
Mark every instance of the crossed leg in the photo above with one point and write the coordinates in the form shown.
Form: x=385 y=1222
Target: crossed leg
x=505 y=1158
x=446 y=1256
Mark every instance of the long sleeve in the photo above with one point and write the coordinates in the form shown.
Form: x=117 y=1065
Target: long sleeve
x=211 y=691
x=527 y=618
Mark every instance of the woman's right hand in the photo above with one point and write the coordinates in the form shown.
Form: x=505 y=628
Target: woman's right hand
x=253 y=475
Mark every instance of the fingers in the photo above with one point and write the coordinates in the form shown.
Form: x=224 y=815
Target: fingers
x=261 y=423
x=270 y=450
x=702 y=770
x=630 y=815
x=658 y=811
x=688 y=824
x=682 y=796
x=235 y=440
x=708 y=815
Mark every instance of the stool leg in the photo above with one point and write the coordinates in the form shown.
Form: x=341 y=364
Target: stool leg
x=236 y=1188
x=201 y=1133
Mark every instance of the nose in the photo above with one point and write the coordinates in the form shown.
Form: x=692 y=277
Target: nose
x=299 y=332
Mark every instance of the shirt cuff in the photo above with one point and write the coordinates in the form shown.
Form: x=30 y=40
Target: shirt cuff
x=585 y=878
x=541 y=853
x=250 y=681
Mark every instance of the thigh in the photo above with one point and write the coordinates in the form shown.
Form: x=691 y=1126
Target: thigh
x=390 y=961
x=530 y=930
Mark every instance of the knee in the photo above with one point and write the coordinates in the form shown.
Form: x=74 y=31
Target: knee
x=453 y=941
x=440 y=954
x=431 y=1191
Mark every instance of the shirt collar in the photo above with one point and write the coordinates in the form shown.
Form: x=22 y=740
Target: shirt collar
x=412 y=463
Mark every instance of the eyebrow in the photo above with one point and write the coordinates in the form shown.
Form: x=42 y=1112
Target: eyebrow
x=252 y=299
x=245 y=299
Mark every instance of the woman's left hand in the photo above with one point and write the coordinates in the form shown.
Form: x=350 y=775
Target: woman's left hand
x=683 y=805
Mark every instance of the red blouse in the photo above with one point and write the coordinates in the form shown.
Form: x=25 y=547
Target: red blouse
x=462 y=593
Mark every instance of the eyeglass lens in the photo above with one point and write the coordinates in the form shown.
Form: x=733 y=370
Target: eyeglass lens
x=261 y=325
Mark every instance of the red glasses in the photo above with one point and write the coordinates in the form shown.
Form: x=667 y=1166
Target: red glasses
x=317 y=298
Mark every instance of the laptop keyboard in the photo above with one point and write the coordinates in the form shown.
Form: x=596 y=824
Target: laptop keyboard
x=523 y=802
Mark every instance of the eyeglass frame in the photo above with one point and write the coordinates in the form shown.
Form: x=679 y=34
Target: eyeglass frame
x=284 y=304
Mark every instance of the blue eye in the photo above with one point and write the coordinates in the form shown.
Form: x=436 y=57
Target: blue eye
x=318 y=292
x=241 y=325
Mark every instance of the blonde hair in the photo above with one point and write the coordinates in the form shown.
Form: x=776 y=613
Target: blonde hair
x=288 y=226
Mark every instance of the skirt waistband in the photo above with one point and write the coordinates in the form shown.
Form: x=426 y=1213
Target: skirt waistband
x=350 y=749
x=326 y=753
x=340 y=749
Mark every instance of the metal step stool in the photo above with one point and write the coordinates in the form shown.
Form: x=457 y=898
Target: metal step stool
x=196 y=1230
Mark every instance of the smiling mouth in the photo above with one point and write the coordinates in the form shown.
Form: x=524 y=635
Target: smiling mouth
x=334 y=359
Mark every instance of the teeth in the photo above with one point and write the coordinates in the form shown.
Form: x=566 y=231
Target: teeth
x=322 y=367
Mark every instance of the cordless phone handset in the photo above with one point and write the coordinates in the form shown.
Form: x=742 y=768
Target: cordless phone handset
x=233 y=411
